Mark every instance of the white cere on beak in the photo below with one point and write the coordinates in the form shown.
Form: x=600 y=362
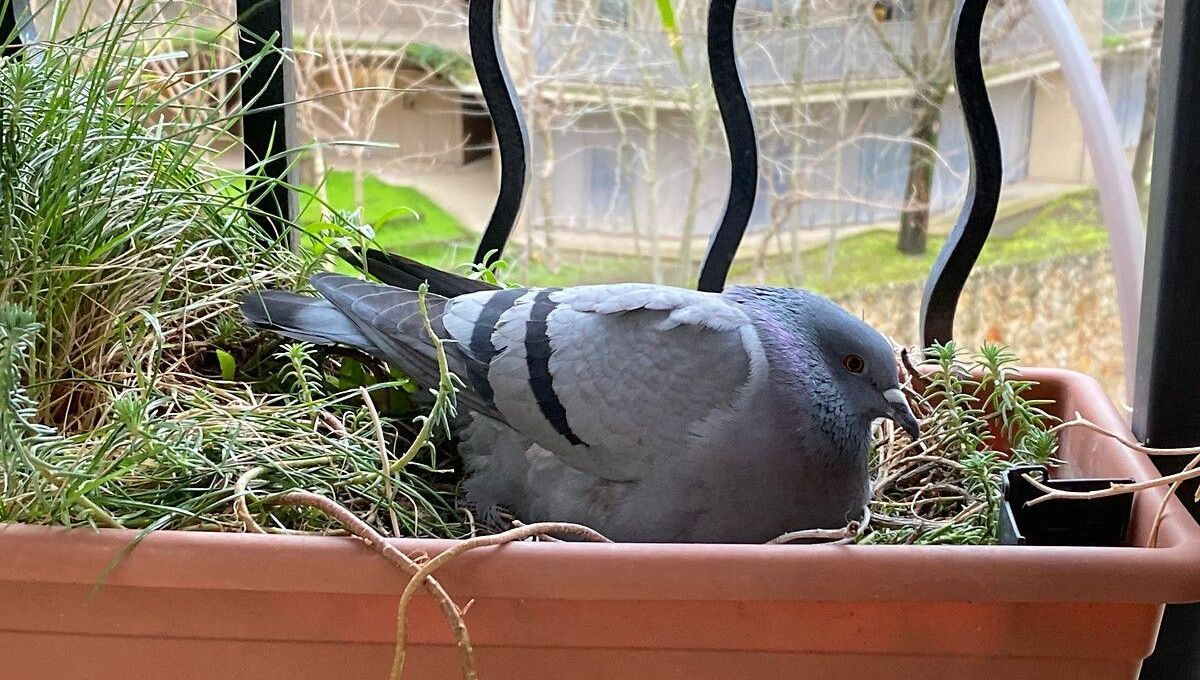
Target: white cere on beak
x=901 y=412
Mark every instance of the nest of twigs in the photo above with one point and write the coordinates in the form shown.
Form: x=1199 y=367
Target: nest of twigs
x=977 y=419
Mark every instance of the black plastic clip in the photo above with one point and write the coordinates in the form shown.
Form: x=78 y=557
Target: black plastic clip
x=1092 y=522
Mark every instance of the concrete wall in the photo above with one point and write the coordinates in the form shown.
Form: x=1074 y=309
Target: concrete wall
x=1070 y=300
x=1058 y=152
x=423 y=124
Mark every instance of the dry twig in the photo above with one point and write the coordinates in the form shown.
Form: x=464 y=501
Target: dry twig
x=1080 y=421
x=427 y=569
x=376 y=542
x=384 y=464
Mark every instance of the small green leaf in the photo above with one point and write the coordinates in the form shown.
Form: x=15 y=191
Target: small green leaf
x=228 y=365
x=666 y=15
x=352 y=375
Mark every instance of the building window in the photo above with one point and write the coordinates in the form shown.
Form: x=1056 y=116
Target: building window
x=612 y=13
x=609 y=195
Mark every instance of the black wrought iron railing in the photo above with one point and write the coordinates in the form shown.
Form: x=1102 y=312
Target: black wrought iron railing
x=269 y=136
x=953 y=265
x=738 y=122
x=505 y=111
x=16 y=26
x=966 y=239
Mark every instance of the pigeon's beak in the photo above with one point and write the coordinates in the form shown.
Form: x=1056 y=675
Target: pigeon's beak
x=901 y=413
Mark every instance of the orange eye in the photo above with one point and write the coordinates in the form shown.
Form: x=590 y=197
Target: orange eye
x=854 y=363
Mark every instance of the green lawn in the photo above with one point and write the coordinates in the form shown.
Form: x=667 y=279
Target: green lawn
x=402 y=216
x=1068 y=225
x=404 y=219
x=408 y=222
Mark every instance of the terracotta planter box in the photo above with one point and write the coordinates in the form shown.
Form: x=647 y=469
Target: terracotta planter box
x=192 y=605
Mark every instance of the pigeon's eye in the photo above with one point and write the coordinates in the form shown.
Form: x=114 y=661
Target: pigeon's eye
x=854 y=363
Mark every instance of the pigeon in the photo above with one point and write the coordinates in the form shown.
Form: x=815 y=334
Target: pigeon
x=647 y=412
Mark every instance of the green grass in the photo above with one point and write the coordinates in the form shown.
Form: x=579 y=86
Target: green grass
x=408 y=222
x=403 y=217
x=1111 y=42
x=404 y=221
x=131 y=393
x=1069 y=225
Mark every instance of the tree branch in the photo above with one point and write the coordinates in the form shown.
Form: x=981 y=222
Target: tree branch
x=892 y=51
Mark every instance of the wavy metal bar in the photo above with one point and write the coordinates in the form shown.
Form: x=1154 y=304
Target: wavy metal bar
x=965 y=242
x=738 y=121
x=505 y=112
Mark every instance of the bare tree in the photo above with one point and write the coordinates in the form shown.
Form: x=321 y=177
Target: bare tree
x=355 y=59
x=1145 y=143
x=605 y=66
x=543 y=58
x=789 y=128
x=926 y=63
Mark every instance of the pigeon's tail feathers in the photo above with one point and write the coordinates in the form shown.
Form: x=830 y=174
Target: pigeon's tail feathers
x=402 y=272
x=307 y=319
x=391 y=320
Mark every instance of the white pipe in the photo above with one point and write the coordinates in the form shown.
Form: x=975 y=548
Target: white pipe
x=1118 y=198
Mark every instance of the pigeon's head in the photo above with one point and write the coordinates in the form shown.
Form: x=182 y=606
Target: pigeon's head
x=863 y=364
x=858 y=361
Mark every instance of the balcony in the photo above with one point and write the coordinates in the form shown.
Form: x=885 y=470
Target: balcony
x=829 y=52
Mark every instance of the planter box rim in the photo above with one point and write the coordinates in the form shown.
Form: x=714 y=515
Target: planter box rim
x=584 y=571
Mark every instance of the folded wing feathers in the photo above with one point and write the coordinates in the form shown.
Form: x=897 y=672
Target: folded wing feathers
x=686 y=307
x=563 y=381
x=391 y=318
x=480 y=326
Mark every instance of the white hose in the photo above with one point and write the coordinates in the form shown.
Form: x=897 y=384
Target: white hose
x=1118 y=198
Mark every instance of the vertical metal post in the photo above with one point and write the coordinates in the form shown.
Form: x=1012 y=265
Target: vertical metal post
x=16 y=26
x=505 y=112
x=269 y=124
x=966 y=240
x=1167 y=392
x=738 y=121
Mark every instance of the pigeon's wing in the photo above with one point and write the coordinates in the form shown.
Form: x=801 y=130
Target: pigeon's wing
x=612 y=378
